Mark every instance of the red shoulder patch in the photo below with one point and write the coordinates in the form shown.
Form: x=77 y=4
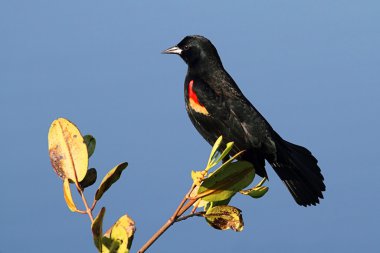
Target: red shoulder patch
x=194 y=102
x=192 y=94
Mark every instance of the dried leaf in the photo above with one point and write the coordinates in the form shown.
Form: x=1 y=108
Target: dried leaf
x=67 y=195
x=197 y=176
x=225 y=217
x=68 y=153
x=111 y=177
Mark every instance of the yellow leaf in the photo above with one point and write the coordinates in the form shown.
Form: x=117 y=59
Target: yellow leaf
x=97 y=229
x=67 y=195
x=121 y=235
x=67 y=150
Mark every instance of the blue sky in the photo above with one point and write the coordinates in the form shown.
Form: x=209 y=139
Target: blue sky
x=311 y=67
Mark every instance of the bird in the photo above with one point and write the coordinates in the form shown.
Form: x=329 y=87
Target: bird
x=217 y=107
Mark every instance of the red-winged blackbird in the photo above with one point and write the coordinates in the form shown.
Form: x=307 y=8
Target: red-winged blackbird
x=216 y=107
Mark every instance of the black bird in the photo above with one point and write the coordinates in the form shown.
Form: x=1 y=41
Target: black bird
x=216 y=107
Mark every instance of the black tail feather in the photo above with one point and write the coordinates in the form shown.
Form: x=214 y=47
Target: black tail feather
x=298 y=169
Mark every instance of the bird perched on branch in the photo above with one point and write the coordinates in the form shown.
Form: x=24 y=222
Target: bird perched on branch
x=216 y=107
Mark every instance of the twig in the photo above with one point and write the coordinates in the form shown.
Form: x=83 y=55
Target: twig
x=88 y=210
x=93 y=204
x=196 y=204
x=178 y=212
x=81 y=211
x=199 y=214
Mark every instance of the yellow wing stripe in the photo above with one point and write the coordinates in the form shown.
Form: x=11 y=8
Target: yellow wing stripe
x=197 y=107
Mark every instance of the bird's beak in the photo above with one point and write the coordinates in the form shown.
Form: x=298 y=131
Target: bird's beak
x=172 y=50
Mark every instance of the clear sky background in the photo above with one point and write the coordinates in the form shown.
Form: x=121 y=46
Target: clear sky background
x=311 y=67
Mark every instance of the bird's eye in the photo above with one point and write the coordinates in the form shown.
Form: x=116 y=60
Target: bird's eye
x=186 y=47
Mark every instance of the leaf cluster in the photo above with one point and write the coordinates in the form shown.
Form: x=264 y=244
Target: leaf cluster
x=213 y=188
x=216 y=190
x=69 y=155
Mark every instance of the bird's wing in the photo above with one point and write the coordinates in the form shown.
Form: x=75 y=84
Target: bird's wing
x=254 y=124
x=232 y=116
x=240 y=121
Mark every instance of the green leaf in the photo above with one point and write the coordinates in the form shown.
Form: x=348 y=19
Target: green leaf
x=97 y=229
x=214 y=151
x=215 y=156
x=225 y=152
x=232 y=158
x=120 y=236
x=111 y=177
x=258 y=191
x=225 y=217
x=67 y=195
x=106 y=244
x=90 y=142
x=225 y=182
x=261 y=182
x=89 y=179
x=67 y=151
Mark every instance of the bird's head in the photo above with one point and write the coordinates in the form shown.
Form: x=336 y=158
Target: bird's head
x=195 y=50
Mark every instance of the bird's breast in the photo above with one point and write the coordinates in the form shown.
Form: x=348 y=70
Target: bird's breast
x=194 y=103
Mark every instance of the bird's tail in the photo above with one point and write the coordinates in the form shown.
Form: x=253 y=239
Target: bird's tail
x=298 y=169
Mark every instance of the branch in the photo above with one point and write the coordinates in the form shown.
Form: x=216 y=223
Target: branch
x=178 y=212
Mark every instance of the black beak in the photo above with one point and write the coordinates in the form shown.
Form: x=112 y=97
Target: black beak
x=172 y=50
